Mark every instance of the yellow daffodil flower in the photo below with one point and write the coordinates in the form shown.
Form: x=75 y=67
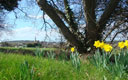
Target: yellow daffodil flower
x=126 y=43
x=72 y=49
x=121 y=45
x=107 y=47
x=97 y=44
x=102 y=45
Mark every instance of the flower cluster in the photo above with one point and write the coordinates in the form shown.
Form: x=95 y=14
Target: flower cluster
x=108 y=47
x=102 y=45
x=122 y=44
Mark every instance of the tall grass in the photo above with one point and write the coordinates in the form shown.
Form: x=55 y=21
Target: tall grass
x=19 y=67
x=115 y=63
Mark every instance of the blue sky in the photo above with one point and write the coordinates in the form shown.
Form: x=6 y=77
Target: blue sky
x=28 y=27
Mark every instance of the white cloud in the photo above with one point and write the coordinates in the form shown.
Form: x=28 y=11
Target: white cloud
x=39 y=16
x=29 y=33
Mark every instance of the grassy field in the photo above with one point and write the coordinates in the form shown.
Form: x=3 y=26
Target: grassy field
x=27 y=48
x=30 y=51
x=26 y=67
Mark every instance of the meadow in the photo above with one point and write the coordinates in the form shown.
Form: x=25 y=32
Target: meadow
x=19 y=67
x=47 y=66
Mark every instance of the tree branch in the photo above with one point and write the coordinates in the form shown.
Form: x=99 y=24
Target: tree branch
x=107 y=13
x=70 y=16
x=59 y=12
x=90 y=17
x=62 y=15
x=118 y=33
x=60 y=24
x=89 y=11
x=112 y=29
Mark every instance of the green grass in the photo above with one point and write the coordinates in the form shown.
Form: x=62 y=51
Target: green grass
x=19 y=67
x=30 y=51
x=27 y=48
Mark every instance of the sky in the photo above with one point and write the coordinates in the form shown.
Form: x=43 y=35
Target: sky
x=27 y=27
x=26 y=23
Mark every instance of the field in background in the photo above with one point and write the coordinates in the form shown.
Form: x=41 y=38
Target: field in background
x=24 y=50
x=43 y=52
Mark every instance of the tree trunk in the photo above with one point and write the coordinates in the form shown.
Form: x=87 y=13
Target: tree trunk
x=93 y=30
x=90 y=17
x=60 y=24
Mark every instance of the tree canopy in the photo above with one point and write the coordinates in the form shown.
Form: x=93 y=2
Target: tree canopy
x=8 y=4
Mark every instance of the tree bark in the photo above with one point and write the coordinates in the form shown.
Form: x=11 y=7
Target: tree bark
x=107 y=14
x=90 y=17
x=93 y=30
x=60 y=24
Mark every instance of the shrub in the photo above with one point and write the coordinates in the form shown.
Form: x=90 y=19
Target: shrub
x=34 y=45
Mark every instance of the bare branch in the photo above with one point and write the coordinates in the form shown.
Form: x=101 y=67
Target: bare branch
x=107 y=12
x=89 y=11
x=123 y=30
x=58 y=21
x=23 y=12
x=112 y=29
x=61 y=14
x=70 y=16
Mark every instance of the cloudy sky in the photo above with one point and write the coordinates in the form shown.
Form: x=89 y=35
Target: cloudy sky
x=26 y=23
x=30 y=33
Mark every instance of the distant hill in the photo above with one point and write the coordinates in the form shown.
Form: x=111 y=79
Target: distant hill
x=20 y=41
x=26 y=42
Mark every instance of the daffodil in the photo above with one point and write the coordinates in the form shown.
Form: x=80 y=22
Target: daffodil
x=121 y=45
x=97 y=44
x=107 y=47
x=102 y=45
x=126 y=43
x=72 y=49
